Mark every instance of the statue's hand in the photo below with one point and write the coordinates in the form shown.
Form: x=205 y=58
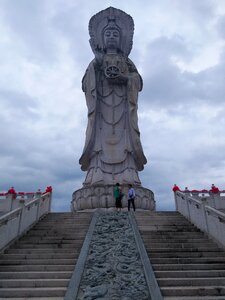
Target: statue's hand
x=121 y=79
x=98 y=55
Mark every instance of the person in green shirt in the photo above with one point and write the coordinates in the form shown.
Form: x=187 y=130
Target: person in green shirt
x=118 y=197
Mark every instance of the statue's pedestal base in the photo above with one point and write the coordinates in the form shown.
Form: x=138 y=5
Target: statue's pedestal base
x=101 y=196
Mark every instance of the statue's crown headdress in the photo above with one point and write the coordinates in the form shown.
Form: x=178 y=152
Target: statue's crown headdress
x=111 y=24
x=108 y=19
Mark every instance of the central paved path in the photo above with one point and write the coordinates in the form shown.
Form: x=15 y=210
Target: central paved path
x=113 y=268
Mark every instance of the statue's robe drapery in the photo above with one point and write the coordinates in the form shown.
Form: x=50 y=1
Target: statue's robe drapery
x=112 y=151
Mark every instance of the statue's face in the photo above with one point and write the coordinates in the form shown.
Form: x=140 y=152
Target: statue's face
x=111 y=38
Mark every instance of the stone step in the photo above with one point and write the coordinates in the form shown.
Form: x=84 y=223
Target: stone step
x=174 y=249
x=40 y=251
x=189 y=266
x=40 y=264
x=192 y=298
x=152 y=239
x=176 y=245
x=49 y=242
x=190 y=273
x=159 y=213
x=58 y=233
x=212 y=281
x=68 y=214
x=165 y=228
x=37 y=261
x=76 y=220
x=36 y=268
x=33 y=298
x=140 y=215
x=163 y=221
x=173 y=234
x=36 y=275
x=51 y=239
x=169 y=218
x=72 y=230
x=33 y=292
x=194 y=291
x=66 y=218
x=191 y=250
x=42 y=255
x=35 y=283
x=47 y=246
x=187 y=260
x=58 y=227
x=74 y=235
x=167 y=223
x=186 y=254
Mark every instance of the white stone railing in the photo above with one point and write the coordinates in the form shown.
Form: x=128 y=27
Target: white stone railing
x=206 y=217
x=16 y=222
x=9 y=202
x=214 y=200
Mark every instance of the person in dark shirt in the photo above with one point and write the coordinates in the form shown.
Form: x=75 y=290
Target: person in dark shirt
x=131 y=197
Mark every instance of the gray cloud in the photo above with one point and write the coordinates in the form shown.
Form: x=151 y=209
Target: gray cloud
x=165 y=83
x=30 y=29
x=221 y=26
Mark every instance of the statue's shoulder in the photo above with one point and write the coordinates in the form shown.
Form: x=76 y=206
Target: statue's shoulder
x=89 y=70
x=90 y=67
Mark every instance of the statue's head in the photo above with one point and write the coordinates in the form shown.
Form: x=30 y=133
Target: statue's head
x=111 y=35
x=111 y=28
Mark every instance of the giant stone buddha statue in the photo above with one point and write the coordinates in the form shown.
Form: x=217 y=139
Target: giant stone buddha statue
x=113 y=152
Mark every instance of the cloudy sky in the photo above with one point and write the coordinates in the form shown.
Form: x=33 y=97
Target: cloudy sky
x=179 y=49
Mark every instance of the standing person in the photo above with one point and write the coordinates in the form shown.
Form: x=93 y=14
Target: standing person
x=131 y=197
x=12 y=192
x=118 y=197
x=214 y=189
x=176 y=188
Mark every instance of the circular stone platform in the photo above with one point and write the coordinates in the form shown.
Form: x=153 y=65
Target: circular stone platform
x=101 y=196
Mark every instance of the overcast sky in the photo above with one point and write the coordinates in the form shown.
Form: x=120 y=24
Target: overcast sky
x=179 y=50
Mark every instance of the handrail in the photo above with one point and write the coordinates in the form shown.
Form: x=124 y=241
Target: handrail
x=203 y=213
x=194 y=200
x=215 y=212
x=9 y=216
x=31 y=203
x=23 y=218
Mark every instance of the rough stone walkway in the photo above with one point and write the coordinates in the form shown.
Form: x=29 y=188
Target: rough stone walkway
x=113 y=269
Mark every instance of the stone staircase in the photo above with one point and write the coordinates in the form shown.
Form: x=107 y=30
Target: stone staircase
x=40 y=264
x=187 y=264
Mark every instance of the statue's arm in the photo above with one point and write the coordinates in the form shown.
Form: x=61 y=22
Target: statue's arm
x=135 y=79
x=132 y=79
